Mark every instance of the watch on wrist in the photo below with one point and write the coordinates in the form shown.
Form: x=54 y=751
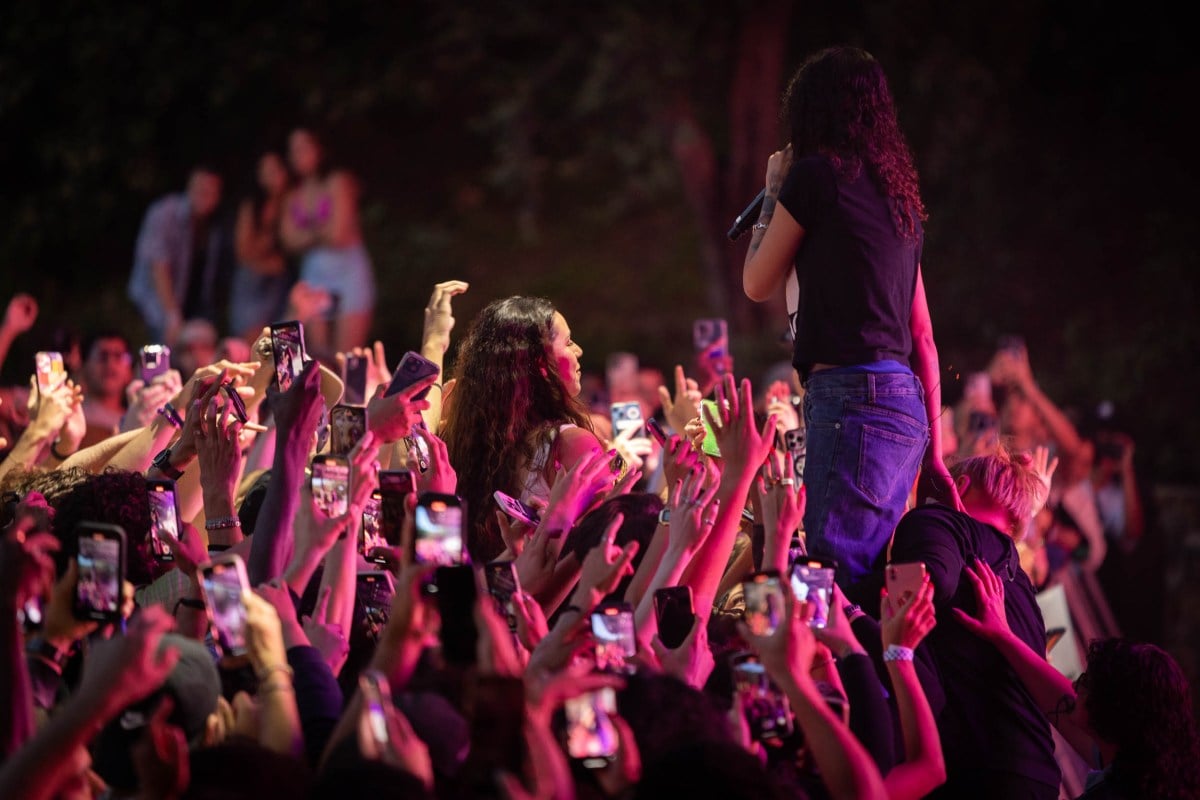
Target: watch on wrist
x=162 y=462
x=664 y=516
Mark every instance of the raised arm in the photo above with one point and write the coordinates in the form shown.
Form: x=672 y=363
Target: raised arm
x=435 y=341
x=775 y=238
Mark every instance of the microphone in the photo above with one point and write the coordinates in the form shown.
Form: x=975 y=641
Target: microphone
x=746 y=219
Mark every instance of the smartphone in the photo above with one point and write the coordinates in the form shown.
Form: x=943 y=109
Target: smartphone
x=416 y=442
x=812 y=582
x=495 y=708
x=675 y=614
x=287 y=349
x=374 y=590
x=377 y=699
x=439 y=529
x=616 y=641
x=656 y=431
x=503 y=583
x=236 y=404
x=394 y=486
x=155 y=360
x=101 y=560
x=625 y=416
x=765 y=707
x=709 y=445
x=51 y=373
x=354 y=380
x=903 y=580
x=763 y=593
x=371 y=536
x=454 y=588
x=517 y=510
x=413 y=367
x=347 y=424
x=164 y=516
x=590 y=733
x=796 y=443
x=710 y=337
x=223 y=581
x=330 y=484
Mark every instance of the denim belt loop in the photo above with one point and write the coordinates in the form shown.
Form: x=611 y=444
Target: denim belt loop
x=870 y=387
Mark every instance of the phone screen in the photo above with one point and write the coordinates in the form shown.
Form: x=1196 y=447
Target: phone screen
x=377 y=696
x=287 y=348
x=656 y=431
x=354 y=377
x=710 y=337
x=101 y=570
x=439 y=520
x=155 y=361
x=372 y=530
x=812 y=582
x=591 y=735
x=763 y=704
x=763 y=594
x=709 y=445
x=502 y=583
x=797 y=447
x=413 y=367
x=394 y=486
x=673 y=608
x=903 y=580
x=625 y=416
x=347 y=425
x=164 y=517
x=223 y=583
x=374 y=590
x=50 y=371
x=612 y=628
x=331 y=485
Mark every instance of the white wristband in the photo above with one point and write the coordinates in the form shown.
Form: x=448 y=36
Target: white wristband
x=895 y=652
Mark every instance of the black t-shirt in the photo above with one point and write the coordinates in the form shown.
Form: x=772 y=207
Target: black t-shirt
x=988 y=721
x=855 y=276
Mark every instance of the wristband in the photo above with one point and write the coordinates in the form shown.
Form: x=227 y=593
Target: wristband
x=895 y=652
x=54 y=451
x=169 y=413
x=266 y=673
x=188 y=602
x=221 y=523
x=664 y=516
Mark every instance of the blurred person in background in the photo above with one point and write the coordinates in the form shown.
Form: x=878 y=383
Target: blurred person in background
x=107 y=370
x=263 y=275
x=335 y=296
x=177 y=266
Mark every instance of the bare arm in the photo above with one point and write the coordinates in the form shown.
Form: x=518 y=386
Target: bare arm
x=772 y=249
x=255 y=247
x=926 y=368
x=295 y=239
x=342 y=228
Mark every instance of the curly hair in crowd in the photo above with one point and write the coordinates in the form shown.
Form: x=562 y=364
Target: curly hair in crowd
x=838 y=105
x=1137 y=697
x=508 y=402
x=116 y=497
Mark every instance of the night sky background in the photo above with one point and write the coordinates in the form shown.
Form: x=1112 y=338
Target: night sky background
x=595 y=153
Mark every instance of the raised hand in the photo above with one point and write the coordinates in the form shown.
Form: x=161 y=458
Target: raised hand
x=576 y=491
x=744 y=447
x=684 y=404
x=440 y=476
x=990 y=620
x=907 y=624
x=20 y=314
x=692 y=662
x=693 y=510
x=393 y=418
x=603 y=567
x=781 y=505
x=125 y=669
x=439 y=317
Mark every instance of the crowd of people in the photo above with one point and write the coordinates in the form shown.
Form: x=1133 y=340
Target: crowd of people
x=521 y=601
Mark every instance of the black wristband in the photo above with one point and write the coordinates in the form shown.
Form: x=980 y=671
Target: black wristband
x=188 y=602
x=54 y=451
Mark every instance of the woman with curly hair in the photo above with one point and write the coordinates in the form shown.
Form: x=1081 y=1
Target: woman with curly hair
x=841 y=232
x=515 y=412
x=1129 y=715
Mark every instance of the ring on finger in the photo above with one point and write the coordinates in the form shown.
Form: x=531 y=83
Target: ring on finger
x=788 y=482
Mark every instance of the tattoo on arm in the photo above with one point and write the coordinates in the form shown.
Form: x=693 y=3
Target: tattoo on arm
x=768 y=211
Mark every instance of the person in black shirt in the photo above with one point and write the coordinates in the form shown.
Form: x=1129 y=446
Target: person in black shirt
x=995 y=738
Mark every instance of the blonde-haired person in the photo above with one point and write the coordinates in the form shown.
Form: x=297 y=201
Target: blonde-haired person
x=996 y=741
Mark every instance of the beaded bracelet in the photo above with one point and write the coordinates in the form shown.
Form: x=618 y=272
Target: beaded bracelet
x=221 y=523
x=266 y=673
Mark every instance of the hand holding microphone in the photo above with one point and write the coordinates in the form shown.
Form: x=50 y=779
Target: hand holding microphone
x=778 y=166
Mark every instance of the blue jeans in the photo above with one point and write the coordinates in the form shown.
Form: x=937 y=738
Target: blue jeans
x=866 y=435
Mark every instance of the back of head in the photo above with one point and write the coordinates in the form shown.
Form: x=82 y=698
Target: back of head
x=1137 y=697
x=1009 y=480
x=507 y=387
x=838 y=104
x=117 y=497
x=707 y=769
x=666 y=714
x=242 y=769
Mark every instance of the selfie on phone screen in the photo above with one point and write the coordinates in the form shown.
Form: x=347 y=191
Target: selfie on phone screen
x=99 y=586
x=439 y=521
x=591 y=735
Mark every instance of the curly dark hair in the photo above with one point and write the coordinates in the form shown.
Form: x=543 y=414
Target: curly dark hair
x=1137 y=697
x=508 y=402
x=838 y=105
x=117 y=497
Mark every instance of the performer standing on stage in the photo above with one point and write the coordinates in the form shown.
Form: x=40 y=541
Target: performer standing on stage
x=841 y=229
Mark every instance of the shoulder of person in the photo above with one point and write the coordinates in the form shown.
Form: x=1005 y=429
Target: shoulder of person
x=341 y=180
x=573 y=442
